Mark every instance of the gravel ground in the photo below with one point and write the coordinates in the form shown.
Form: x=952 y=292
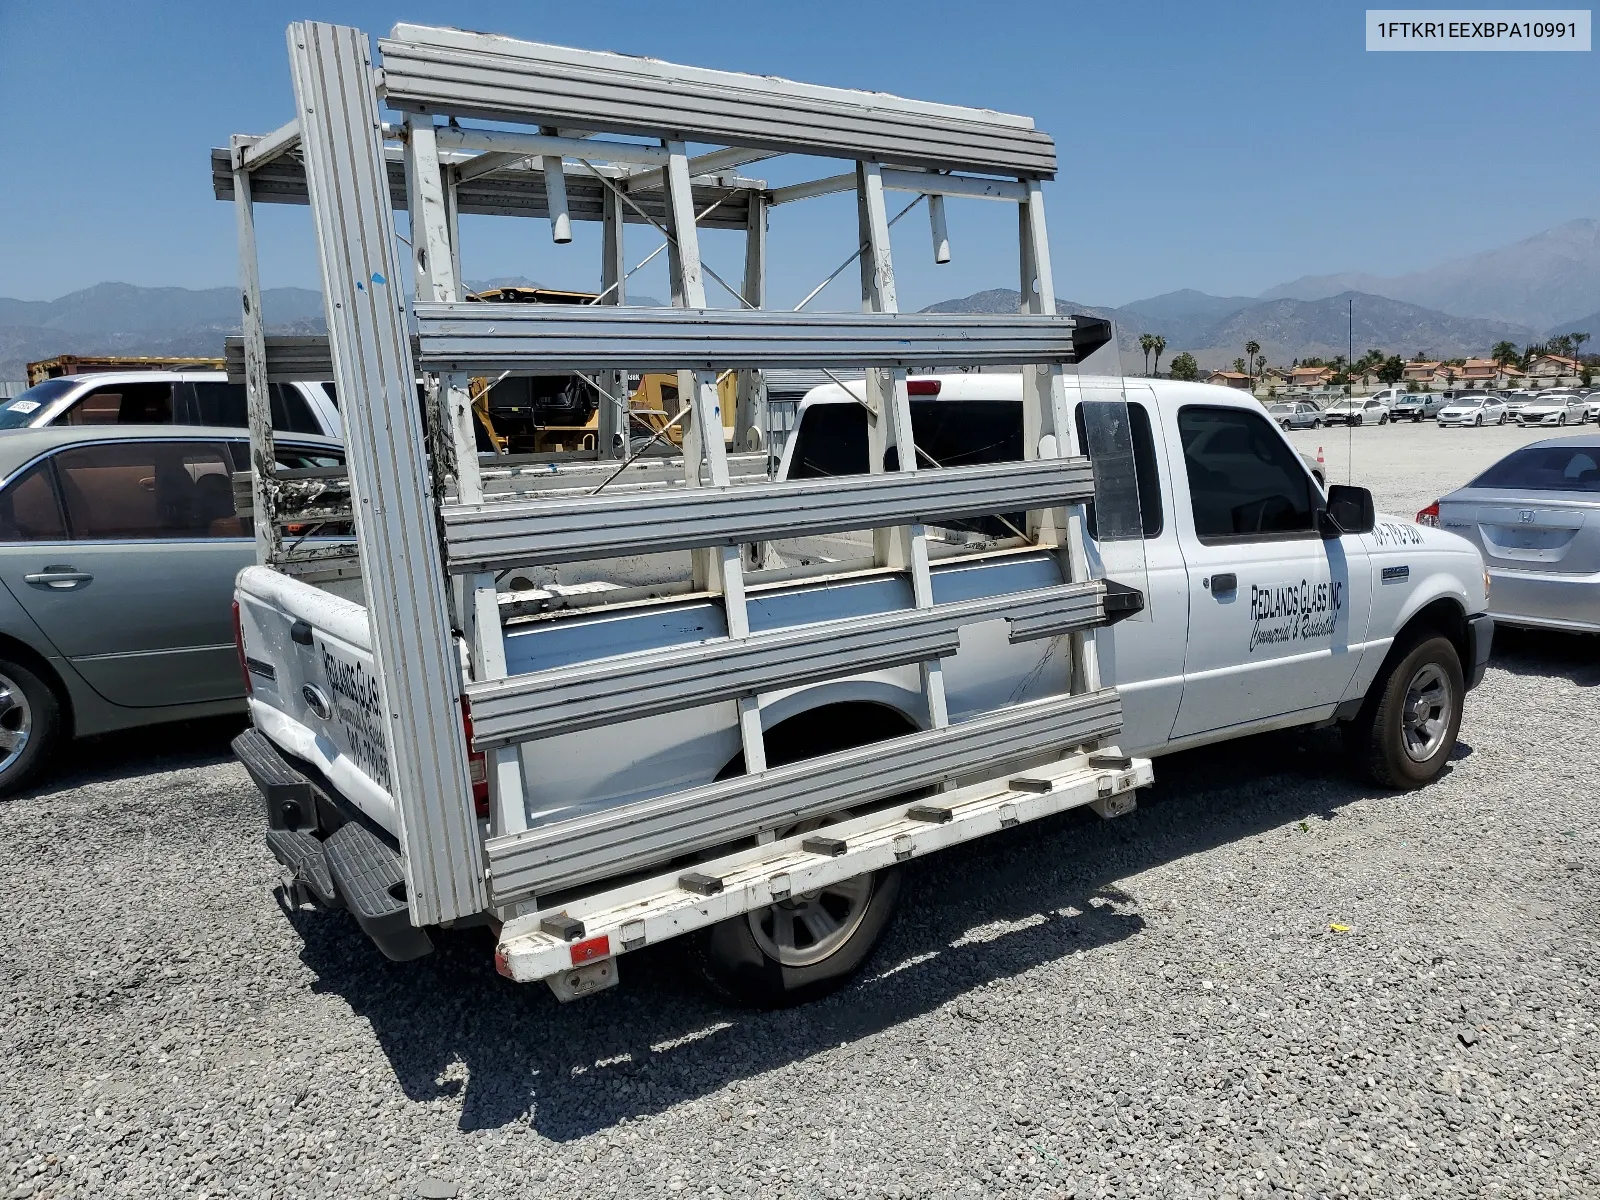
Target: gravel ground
x=1268 y=979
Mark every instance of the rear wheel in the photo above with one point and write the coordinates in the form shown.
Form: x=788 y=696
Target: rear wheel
x=1407 y=726
x=809 y=943
x=30 y=725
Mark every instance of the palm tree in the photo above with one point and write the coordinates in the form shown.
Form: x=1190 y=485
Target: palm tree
x=1261 y=365
x=1578 y=339
x=1158 y=344
x=1147 y=343
x=1504 y=353
x=1251 y=349
x=1561 y=345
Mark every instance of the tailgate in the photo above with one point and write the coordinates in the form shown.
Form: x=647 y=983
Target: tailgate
x=313 y=689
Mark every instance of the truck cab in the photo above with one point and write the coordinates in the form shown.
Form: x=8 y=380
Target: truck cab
x=1254 y=617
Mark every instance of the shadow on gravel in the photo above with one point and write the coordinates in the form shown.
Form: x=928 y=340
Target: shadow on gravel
x=971 y=916
x=1543 y=652
x=134 y=752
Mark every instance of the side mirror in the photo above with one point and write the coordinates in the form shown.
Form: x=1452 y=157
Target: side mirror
x=1350 y=510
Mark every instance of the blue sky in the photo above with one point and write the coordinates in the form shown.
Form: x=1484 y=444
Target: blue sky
x=1226 y=147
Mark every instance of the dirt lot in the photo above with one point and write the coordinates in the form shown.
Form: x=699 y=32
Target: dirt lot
x=1268 y=980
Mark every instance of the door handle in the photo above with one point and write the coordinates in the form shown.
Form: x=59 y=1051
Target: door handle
x=58 y=577
x=1226 y=582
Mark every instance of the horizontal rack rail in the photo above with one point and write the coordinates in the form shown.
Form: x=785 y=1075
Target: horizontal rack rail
x=509 y=191
x=632 y=836
x=625 y=688
x=484 y=537
x=430 y=70
x=522 y=337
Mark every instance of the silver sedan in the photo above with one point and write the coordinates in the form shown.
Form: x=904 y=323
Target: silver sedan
x=118 y=549
x=1535 y=515
x=1296 y=414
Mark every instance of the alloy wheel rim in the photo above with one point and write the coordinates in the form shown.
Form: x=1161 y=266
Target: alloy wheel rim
x=805 y=929
x=1425 y=717
x=16 y=722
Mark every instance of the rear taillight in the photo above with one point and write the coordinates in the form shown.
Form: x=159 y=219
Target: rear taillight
x=1429 y=515
x=477 y=766
x=238 y=644
x=923 y=387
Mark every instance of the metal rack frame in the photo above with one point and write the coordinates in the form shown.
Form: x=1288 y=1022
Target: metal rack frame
x=429 y=533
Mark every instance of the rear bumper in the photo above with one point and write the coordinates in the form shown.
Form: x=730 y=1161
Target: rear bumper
x=1480 y=639
x=1545 y=600
x=331 y=851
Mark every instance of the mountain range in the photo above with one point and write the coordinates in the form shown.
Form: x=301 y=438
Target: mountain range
x=1522 y=293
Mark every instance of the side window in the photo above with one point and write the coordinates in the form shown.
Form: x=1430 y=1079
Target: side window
x=831 y=440
x=123 y=404
x=1144 y=466
x=1244 y=482
x=132 y=491
x=213 y=402
x=30 y=510
x=290 y=412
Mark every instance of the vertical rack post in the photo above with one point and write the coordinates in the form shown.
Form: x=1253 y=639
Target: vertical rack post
x=434 y=257
x=258 y=396
x=718 y=568
x=1046 y=426
x=613 y=425
x=418 y=706
x=903 y=547
x=752 y=402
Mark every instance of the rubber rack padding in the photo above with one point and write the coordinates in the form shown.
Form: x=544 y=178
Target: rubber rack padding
x=830 y=847
x=568 y=929
x=302 y=853
x=369 y=876
x=699 y=884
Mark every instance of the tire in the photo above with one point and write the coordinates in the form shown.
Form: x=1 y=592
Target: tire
x=1355 y=420
x=771 y=957
x=1479 y=422
x=737 y=955
x=1383 y=418
x=30 y=726
x=1502 y=419
x=1390 y=742
x=1417 y=420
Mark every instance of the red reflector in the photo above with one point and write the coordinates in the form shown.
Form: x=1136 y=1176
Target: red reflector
x=923 y=387
x=590 y=949
x=500 y=963
x=1429 y=515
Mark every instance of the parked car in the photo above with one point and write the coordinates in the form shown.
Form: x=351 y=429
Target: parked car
x=1554 y=408
x=1357 y=410
x=166 y=398
x=1296 y=414
x=118 y=550
x=1535 y=515
x=1591 y=407
x=1474 y=410
x=1417 y=406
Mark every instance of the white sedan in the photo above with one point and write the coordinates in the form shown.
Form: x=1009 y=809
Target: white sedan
x=1474 y=410
x=1554 y=408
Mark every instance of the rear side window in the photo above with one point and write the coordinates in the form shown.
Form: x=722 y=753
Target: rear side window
x=1245 y=483
x=30 y=510
x=215 y=402
x=135 y=491
x=1545 y=469
x=1144 y=465
x=124 y=404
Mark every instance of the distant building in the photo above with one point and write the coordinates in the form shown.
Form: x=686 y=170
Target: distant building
x=1233 y=379
x=1310 y=377
x=1548 y=369
x=1419 y=372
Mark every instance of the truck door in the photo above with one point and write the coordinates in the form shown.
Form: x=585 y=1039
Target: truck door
x=1143 y=657
x=1277 y=615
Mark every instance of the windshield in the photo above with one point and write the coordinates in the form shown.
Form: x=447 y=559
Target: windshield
x=23 y=408
x=1280 y=408
x=1463 y=402
x=1545 y=469
x=1346 y=404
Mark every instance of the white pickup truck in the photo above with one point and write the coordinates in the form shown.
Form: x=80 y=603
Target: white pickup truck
x=596 y=705
x=1266 y=605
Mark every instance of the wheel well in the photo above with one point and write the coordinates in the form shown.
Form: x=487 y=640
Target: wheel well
x=1443 y=616
x=832 y=727
x=25 y=655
